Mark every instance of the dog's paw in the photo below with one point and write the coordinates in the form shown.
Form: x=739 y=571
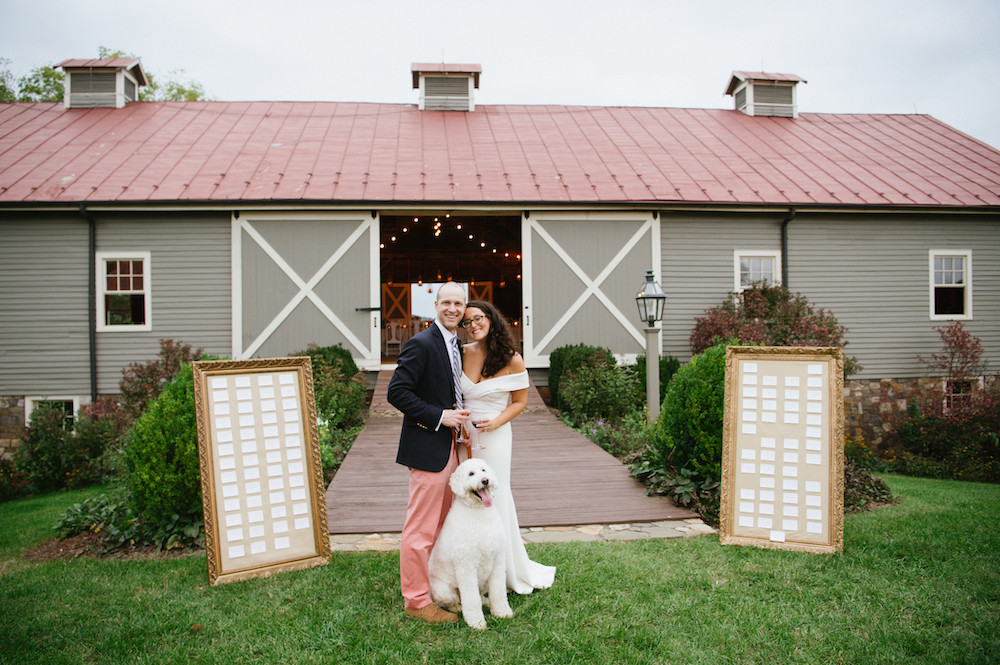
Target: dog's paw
x=502 y=611
x=478 y=624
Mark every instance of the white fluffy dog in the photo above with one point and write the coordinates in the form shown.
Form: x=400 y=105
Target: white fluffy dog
x=468 y=558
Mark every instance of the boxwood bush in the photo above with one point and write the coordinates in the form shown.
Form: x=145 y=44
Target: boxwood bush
x=161 y=456
x=567 y=359
x=600 y=389
x=688 y=432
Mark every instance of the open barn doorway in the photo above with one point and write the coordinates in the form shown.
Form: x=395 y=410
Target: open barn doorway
x=420 y=251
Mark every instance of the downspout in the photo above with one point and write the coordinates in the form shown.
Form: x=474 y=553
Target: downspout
x=784 y=246
x=92 y=297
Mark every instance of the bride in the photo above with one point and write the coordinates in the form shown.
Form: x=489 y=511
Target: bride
x=495 y=389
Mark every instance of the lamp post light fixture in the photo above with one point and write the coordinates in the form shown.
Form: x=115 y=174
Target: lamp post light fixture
x=650 y=301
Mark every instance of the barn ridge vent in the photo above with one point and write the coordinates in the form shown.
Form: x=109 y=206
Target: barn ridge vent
x=763 y=94
x=101 y=83
x=446 y=87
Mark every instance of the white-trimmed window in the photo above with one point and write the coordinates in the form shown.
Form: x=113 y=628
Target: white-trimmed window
x=123 y=291
x=69 y=404
x=755 y=266
x=950 y=284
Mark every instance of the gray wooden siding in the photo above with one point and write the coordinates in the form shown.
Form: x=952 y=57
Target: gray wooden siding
x=44 y=342
x=872 y=272
x=191 y=286
x=697 y=269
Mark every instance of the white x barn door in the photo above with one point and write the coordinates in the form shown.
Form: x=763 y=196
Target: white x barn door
x=580 y=274
x=306 y=278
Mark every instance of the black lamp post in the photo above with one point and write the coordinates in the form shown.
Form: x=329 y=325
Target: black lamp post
x=650 y=301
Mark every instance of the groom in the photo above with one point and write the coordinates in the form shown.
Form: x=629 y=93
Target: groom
x=426 y=388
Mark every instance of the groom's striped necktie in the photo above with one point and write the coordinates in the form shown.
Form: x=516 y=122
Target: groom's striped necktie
x=456 y=370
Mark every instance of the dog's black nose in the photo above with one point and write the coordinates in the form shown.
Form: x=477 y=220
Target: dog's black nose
x=485 y=481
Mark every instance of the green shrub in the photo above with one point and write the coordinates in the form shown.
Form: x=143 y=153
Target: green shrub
x=600 y=389
x=857 y=450
x=13 y=484
x=42 y=455
x=341 y=391
x=625 y=440
x=330 y=356
x=688 y=432
x=567 y=359
x=161 y=456
x=334 y=444
x=668 y=367
x=57 y=454
x=861 y=489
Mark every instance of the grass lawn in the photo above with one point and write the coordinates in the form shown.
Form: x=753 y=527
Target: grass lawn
x=918 y=582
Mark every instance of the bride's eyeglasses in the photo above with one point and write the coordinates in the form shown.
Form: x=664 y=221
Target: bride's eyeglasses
x=465 y=323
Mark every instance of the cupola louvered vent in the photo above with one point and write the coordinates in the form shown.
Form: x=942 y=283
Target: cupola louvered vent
x=92 y=89
x=108 y=83
x=446 y=87
x=760 y=94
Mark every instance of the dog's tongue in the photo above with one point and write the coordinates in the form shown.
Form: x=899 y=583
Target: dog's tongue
x=484 y=496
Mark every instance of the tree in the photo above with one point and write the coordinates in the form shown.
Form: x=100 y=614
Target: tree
x=7 y=91
x=42 y=84
x=173 y=90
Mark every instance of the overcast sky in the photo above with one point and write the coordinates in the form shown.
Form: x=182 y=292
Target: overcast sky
x=936 y=57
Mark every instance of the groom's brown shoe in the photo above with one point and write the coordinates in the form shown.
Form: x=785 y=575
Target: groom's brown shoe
x=432 y=614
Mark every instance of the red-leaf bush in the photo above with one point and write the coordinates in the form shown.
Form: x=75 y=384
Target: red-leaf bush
x=947 y=435
x=771 y=316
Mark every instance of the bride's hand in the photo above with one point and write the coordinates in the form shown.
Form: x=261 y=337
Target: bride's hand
x=484 y=425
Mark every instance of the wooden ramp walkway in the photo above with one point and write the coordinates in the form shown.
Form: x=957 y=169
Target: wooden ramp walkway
x=559 y=477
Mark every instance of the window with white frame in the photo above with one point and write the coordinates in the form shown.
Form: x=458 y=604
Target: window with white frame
x=68 y=404
x=754 y=267
x=123 y=291
x=950 y=284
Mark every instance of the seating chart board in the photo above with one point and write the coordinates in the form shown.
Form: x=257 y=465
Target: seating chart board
x=261 y=475
x=783 y=449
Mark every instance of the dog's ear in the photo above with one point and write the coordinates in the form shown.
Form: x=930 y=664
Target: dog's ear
x=455 y=481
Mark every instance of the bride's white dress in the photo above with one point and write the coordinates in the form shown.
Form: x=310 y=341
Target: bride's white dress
x=487 y=399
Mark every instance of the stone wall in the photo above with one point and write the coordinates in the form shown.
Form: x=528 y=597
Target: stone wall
x=11 y=425
x=869 y=404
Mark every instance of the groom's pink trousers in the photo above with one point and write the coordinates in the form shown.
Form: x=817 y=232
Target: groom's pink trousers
x=430 y=499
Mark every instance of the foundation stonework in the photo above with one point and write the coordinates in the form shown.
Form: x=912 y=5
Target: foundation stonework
x=869 y=405
x=11 y=425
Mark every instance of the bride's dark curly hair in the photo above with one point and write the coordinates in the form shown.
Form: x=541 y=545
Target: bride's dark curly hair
x=500 y=345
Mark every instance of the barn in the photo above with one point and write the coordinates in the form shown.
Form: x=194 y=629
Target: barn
x=253 y=229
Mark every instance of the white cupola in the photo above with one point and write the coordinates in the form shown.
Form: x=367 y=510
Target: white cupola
x=759 y=93
x=108 y=83
x=446 y=87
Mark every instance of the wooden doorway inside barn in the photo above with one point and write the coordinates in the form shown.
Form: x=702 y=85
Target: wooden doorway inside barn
x=419 y=251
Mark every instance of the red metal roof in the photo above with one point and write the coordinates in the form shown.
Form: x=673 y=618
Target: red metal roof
x=311 y=151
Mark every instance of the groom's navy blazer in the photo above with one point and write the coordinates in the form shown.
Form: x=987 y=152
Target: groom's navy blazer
x=422 y=388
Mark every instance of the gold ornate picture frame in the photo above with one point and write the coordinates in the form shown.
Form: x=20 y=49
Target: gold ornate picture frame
x=783 y=449
x=261 y=476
